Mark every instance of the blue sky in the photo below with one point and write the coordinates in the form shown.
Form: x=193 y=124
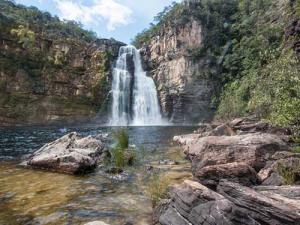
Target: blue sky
x=120 y=19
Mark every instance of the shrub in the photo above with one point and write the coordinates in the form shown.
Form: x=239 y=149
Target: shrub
x=296 y=149
x=122 y=154
x=123 y=157
x=234 y=99
x=289 y=173
x=122 y=138
x=157 y=188
x=277 y=94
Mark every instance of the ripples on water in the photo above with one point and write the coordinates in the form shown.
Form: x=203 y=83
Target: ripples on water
x=37 y=197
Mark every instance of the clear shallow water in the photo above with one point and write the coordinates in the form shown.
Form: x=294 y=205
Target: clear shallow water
x=37 y=197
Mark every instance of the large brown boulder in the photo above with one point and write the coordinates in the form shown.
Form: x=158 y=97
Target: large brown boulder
x=204 y=131
x=253 y=149
x=68 y=154
x=236 y=172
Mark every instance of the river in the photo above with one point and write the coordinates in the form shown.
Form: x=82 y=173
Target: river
x=40 y=197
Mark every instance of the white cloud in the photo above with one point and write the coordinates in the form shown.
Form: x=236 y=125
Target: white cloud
x=110 y=11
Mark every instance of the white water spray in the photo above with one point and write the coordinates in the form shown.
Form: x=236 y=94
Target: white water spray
x=135 y=100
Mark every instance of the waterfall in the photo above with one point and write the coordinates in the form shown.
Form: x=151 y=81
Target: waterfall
x=135 y=100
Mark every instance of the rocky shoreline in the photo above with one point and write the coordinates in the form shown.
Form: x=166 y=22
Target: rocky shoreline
x=245 y=172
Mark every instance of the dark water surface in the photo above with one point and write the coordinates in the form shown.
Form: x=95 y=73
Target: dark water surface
x=38 y=197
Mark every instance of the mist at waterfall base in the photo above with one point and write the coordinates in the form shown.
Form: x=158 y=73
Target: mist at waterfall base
x=135 y=100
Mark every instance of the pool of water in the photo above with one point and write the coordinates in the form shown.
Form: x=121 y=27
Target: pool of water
x=38 y=197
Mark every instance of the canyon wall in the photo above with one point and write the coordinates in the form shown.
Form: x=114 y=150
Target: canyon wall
x=50 y=70
x=185 y=92
x=76 y=87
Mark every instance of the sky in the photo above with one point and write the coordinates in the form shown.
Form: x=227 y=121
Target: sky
x=119 y=19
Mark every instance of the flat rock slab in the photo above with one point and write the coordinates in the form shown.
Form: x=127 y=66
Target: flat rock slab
x=265 y=206
x=69 y=154
x=191 y=203
x=292 y=192
x=241 y=173
x=253 y=149
x=194 y=204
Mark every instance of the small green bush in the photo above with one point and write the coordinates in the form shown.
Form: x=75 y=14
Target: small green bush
x=122 y=138
x=296 y=149
x=122 y=154
x=157 y=188
x=289 y=174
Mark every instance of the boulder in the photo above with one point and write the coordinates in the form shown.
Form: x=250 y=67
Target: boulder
x=187 y=139
x=235 y=172
x=205 y=127
x=263 y=207
x=222 y=130
x=204 y=131
x=274 y=180
x=193 y=203
x=68 y=154
x=253 y=149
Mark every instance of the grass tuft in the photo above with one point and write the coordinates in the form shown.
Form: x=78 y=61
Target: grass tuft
x=122 y=154
x=157 y=188
x=122 y=138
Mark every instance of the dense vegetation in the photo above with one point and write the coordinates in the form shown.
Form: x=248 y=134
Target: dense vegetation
x=257 y=63
x=40 y=22
x=262 y=71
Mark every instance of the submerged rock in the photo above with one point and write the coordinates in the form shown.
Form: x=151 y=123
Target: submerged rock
x=69 y=154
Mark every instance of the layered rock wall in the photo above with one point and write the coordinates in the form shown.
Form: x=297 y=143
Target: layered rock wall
x=73 y=82
x=184 y=92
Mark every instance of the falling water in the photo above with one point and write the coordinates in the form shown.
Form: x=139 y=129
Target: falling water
x=135 y=99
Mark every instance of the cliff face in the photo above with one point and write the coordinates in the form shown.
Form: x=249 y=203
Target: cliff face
x=77 y=88
x=208 y=55
x=48 y=74
x=184 y=92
